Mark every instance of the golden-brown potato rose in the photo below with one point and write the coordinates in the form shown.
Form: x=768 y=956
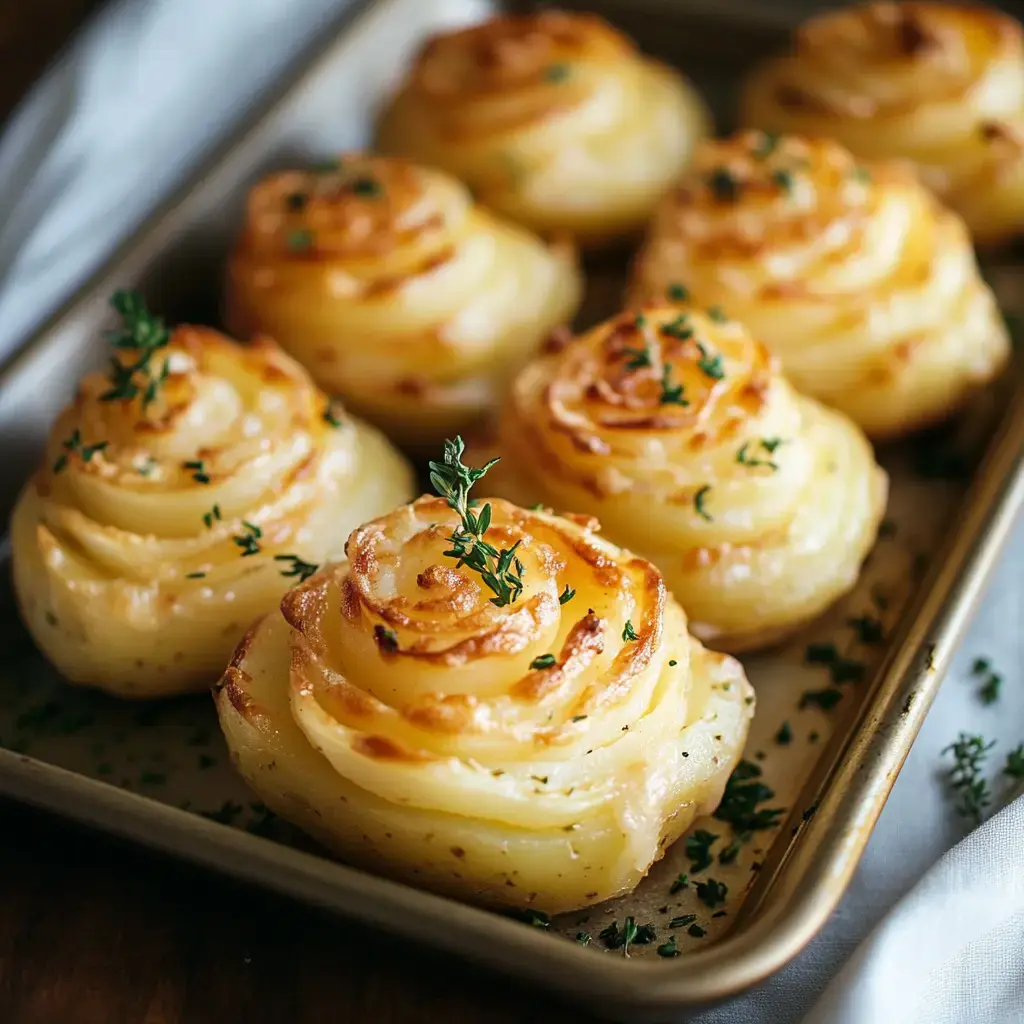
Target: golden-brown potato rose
x=856 y=276
x=540 y=753
x=554 y=119
x=152 y=537
x=939 y=84
x=397 y=293
x=678 y=431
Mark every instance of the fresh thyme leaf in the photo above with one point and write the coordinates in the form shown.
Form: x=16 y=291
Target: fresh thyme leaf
x=300 y=568
x=696 y=931
x=299 y=240
x=195 y=575
x=142 y=335
x=543 y=661
x=583 y=938
x=670 y=394
x=765 y=144
x=698 y=849
x=387 y=639
x=678 y=328
x=1014 y=766
x=629 y=634
x=712 y=366
x=566 y=595
x=766 y=444
x=639 y=358
x=784 y=179
x=579 y=718
x=723 y=185
x=712 y=892
x=212 y=516
x=556 y=72
x=868 y=628
x=965 y=777
x=698 y=503
x=739 y=806
x=785 y=735
x=74 y=445
x=248 y=541
x=631 y=934
x=669 y=948
x=501 y=571
x=198 y=468
x=677 y=292
x=825 y=699
x=682 y=921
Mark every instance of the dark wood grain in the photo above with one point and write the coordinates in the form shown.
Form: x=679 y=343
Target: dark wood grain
x=94 y=931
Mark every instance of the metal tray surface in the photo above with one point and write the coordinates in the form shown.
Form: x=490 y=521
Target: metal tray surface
x=160 y=773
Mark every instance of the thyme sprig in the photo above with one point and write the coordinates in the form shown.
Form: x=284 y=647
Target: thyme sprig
x=966 y=778
x=298 y=567
x=501 y=571
x=73 y=445
x=143 y=335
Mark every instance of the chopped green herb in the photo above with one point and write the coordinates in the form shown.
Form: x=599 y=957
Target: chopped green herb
x=766 y=444
x=698 y=849
x=785 y=735
x=566 y=595
x=869 y=629
x=542 y=779
x=739 y=806
x=677 y=292
x=698 y=503
x=367 y=187
x=198 y=468
x=249 y=540
x=501 y=571
x=300 y=568
x=74 y=445
x=723 y=185
x=296 y=201
x=629 y=634
x=579 y=718
x=639 y=358
x=681 y=882
x=556 y=72
x=825 y=699
x=696 y=931
x=668 y=948
x=679 y=328
x=821 y=653
x=299 y=240
x=965 y=777
x=209 y=518
x=980 y=666
x=543 y=661
x=334 y=414
x=1015 y=763
x=682 y=921
x=728 y=854
x=712 y=892
x=712 y=366
x=631 y=934
x=583 y=938
x=195 y=575
x=718 y=314
x=861 y=174
x=784 y=179
x=671 y=394
x=387 y=639
x=672 y=663
x=988 y=693
x=143 y=335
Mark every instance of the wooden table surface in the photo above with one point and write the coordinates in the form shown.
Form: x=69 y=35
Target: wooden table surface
x=94 y=931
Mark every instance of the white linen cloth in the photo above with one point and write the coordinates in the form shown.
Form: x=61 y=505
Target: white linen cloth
x=145 y=90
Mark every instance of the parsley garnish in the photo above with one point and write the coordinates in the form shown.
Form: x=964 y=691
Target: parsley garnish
x=143 y=335
x=824 y=699
x=841 y=669
x=668 y=948
x=299 y=240
x=681 y=882
x=743 y=792
x=198 y=468
x=387 y=639
x=677 y=292
x=821 y=653
x=670 y=394
x=988 y=692
x=698 y=849
x=501 y=571
x=249 y=540
x=723 y=185
x=195 y=575
x=698 y=503
x=696 y=931
x=712 y=892
x=869 y=629
x=784 y=736
x=712 y=366
x=583 y=938
x=679 y=328
x=298 y=567
x=74 y=444
x=556 y=73
x=966 y=780
x=682 y=921
x=765 y=444
x=784 y=179
x=566 y=595
x=212 y=516
x=543 y=661
x=718 y=314
x=729 y=853
x=631 y=934
x=1014 y=766
x=629 y=633
x=639 y=358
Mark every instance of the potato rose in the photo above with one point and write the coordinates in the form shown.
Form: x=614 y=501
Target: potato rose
x=537 y=749
x=397 y=293
x=678 y=431
x=552 y=118
x=178 y=502
x=940 y=84
x=857 y=277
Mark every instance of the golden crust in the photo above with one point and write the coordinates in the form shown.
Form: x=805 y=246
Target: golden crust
x=395 y=291
x=939 y=84
x=860 y=281
x=554 y=119
x=131 y=565
x=758 y=505
x=397 y=714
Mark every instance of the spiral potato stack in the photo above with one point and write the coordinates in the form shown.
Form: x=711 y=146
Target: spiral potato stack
x=396 y=291
x=856 y=277
x=148 y=542
x=552 y=118
x=677 y=430
x=542 y=752
x=940 y=84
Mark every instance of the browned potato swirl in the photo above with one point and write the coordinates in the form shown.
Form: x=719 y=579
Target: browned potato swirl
x=941 y=84
x=156 y=531
x=861 y=282
x=552 y=118
x=678 y=431
x=524 y=754
x=401 y=296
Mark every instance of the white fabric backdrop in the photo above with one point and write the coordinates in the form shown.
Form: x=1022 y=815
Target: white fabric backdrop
x=145 y=91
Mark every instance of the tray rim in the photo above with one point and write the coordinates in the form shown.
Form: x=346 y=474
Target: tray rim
x=797 y=888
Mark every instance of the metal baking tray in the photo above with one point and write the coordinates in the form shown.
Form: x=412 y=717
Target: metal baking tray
x=160 y=774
